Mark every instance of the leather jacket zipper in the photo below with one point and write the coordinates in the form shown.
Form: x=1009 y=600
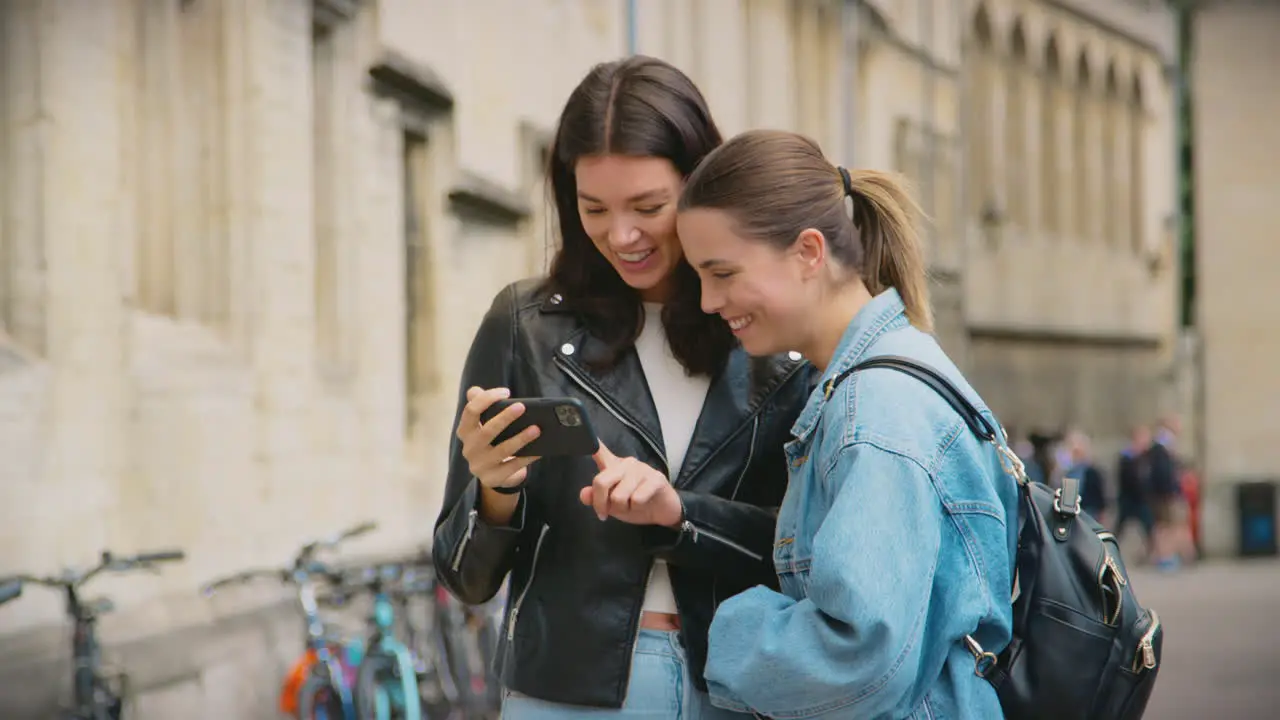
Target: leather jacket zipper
x=586 y=386
x=466 y=539
x=533 y=570
x=751 y=453
x=696 y=531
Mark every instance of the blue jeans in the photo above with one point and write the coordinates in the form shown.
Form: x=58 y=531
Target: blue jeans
x=660 y=687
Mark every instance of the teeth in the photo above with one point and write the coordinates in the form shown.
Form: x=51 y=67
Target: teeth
x=635 y=257
x=739 y=323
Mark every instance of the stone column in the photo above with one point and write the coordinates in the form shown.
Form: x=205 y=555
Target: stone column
x=68 y=205
x=268 y=116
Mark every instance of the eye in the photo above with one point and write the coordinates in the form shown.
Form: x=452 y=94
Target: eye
x=593 y=211
x=722 y=274
x=654 y=210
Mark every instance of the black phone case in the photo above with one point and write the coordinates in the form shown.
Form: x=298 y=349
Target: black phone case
x=566 y=427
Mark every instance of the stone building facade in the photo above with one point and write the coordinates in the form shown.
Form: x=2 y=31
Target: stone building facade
x=244 y=245
x=1236 y=183
x=1070 y=283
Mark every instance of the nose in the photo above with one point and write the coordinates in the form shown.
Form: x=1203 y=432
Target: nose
x=623 y=234
x=712 y=302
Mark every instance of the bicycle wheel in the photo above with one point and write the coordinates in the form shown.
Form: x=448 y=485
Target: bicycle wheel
x=318 y=700
x=373 y=702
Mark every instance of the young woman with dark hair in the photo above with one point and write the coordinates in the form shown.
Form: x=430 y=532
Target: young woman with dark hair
x=617 y=561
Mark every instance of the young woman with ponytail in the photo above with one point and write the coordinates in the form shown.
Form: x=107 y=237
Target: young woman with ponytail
x=896 y=536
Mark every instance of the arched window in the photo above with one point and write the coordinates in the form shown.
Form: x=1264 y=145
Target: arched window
x=1115 y=164
x=1081 y=152
x=1051 y=107
x=1137 y=126
x=1017 y=164
x=981 y=140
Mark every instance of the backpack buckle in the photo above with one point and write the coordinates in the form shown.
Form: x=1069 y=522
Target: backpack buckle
x=1071 y=508
x=983 y=661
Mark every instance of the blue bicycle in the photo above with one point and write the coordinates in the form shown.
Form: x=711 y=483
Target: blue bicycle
x=320 y=682
x=386 y=685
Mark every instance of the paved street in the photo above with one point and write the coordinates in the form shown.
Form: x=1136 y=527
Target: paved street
x=1222 y=648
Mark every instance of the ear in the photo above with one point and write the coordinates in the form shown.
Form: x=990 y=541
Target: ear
x=810 y=248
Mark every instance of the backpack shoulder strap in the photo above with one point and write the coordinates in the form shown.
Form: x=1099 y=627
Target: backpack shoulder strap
x=935 y=380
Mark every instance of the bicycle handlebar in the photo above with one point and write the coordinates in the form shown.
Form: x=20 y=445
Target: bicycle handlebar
x=243 y=577
x=160 y=556
x=301 y=561
x=305 y=553
x=108 y=562
x=10 y=589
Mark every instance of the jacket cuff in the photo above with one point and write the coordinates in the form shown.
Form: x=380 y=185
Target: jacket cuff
x=479 y=557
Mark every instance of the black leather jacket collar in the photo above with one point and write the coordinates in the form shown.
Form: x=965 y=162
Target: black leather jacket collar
x=576 y=584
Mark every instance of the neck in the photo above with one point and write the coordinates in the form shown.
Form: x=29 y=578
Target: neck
x=659 y=293
x=832 y=321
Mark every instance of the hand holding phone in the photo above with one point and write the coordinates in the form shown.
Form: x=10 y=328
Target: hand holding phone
x=495 y=466
x=563 y=425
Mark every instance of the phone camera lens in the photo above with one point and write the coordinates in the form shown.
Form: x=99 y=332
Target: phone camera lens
x=568 y=416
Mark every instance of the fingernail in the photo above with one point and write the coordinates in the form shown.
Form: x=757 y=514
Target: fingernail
x=505 y=392
x=602 y=517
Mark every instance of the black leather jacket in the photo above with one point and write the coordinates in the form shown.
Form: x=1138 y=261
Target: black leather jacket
x=577 y=583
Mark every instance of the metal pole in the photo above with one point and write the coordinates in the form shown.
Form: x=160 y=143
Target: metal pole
x=960 y=200
x=927 y=45
x=849 y=78
x=632 y=31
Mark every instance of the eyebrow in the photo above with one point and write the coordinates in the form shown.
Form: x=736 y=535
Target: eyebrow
x=708 y=264
x=647 y=195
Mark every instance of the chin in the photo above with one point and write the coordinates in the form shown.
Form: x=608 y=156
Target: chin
x=759 y=347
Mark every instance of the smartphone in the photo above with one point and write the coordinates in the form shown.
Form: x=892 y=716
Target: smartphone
x=566 y=427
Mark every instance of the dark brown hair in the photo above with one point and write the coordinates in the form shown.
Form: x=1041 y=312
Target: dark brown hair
x=643 y=107
x=777 y=184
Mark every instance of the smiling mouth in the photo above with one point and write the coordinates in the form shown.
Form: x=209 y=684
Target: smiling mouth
x=738 y=323
x=636 y=257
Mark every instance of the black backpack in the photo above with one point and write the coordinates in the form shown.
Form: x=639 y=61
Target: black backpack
x=1082 y=647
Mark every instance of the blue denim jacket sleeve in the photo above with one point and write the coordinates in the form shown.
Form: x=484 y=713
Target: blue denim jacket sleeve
x=853 y=646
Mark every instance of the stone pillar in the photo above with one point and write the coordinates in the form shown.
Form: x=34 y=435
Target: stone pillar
x=268 y=118
x=22 y=304
x=74 y=206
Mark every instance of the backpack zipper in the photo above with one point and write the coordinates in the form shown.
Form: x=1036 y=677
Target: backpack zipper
x=1145 y=656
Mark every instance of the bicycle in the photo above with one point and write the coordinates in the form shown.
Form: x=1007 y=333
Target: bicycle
x=387 y=679
x=10 y=590
x=460 y=640
x=319 y=684
x=93 y=694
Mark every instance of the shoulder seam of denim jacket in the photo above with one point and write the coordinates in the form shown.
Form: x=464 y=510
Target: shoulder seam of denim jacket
x=852 y=433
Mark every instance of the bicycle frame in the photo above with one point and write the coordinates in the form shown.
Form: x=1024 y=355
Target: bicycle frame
x=89 y=690
x=328 y=666
x=92 y=696
x=398 y=692
x=325 y=666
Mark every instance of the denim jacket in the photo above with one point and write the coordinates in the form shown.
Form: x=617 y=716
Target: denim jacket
x=895 y=539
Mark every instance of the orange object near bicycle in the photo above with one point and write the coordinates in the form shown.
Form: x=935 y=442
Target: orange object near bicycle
x=293 y=682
